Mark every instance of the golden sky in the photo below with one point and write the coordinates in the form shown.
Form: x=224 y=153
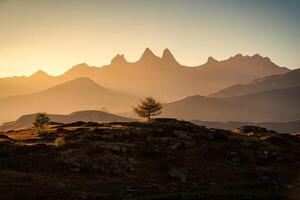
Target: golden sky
x=53 y=35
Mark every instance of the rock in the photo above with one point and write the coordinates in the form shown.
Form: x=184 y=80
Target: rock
x=94 y=124
x=175 y=146
x=289 y=186
x=178 y=175
x=74 y=124
x=209 y=136
x=114 y=147
x=108 y=136
x=182 y=135
x=249 y=130
x=2 y=136
x=279 y=158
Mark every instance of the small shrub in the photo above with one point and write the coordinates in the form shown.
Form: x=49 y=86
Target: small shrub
x=42 y=132
x=60 y=141
x=40 y=121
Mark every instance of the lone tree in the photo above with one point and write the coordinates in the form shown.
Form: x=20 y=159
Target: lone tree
x=148 y=107
x=41 y=119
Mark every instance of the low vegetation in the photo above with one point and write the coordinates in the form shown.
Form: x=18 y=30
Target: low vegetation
x=40 y=120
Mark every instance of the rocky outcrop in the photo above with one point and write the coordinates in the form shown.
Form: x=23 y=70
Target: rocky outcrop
x=123 y=160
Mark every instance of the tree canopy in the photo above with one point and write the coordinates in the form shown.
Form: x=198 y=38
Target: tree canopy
x=148 y=107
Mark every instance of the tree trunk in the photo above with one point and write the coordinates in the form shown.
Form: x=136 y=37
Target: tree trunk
x=149 y=119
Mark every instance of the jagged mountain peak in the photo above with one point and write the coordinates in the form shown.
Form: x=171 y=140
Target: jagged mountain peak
x=239 y=56
x=257 y=56
x=78 y=69
x=119 y=59
x=148 y=55
x=167 y=53
x=211 y=60
x=168 y=56
x=81 y=66
x=39 y=74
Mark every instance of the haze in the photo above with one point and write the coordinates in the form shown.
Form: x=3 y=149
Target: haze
x=54 y=35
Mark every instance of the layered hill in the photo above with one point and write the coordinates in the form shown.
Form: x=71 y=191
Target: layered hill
x=26 y=121
x=9 y=88
x=274 y=106
x=212 y=109
x=287 y=80
x=285 y=101
x=163 y=77
x=78 y=94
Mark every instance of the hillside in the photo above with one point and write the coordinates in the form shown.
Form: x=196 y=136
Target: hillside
x=163 y=76
x=26 y=121
x=268 y=106
x=285 y=101
x=9 y=88
x=287 y=80
x=168 y=160
x=280 y=127
x=78 y=94
x=212 y=109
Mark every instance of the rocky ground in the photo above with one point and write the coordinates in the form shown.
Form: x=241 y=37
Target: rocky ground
x=169 y=159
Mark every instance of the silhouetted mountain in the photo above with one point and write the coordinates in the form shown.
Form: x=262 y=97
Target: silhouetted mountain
x=275 y=105
x=280 y=127
x=166 y=79
x=9 y=88
x=287 y=80
x=285 y=101
x=78 y=94
x=26 y=121
x=163 y=77
x=211 y=109
x=38 y=81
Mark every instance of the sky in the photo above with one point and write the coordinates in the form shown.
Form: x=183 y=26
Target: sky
x=53 y=35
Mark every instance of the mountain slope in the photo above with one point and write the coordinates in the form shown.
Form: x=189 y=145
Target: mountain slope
x=210 y=109
x=285 y=101
x=78 y=94
x=287 y=80
x=275 y=105
x=9 y=88
x=26 y=121
x=163 y=77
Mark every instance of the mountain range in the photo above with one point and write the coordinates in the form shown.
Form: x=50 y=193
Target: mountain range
x=241 y=88
x=163 y=77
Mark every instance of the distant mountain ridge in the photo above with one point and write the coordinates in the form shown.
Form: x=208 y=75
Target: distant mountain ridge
x=26 y=121
x=282 y=81
x=162 y=77
x=267 y=106
x=78 y=94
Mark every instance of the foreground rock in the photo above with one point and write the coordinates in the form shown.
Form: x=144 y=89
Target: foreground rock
x=170 y=159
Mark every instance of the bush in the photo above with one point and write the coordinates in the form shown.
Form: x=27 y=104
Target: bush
x=42 y=132
x=60 y=141
x=40 y=121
